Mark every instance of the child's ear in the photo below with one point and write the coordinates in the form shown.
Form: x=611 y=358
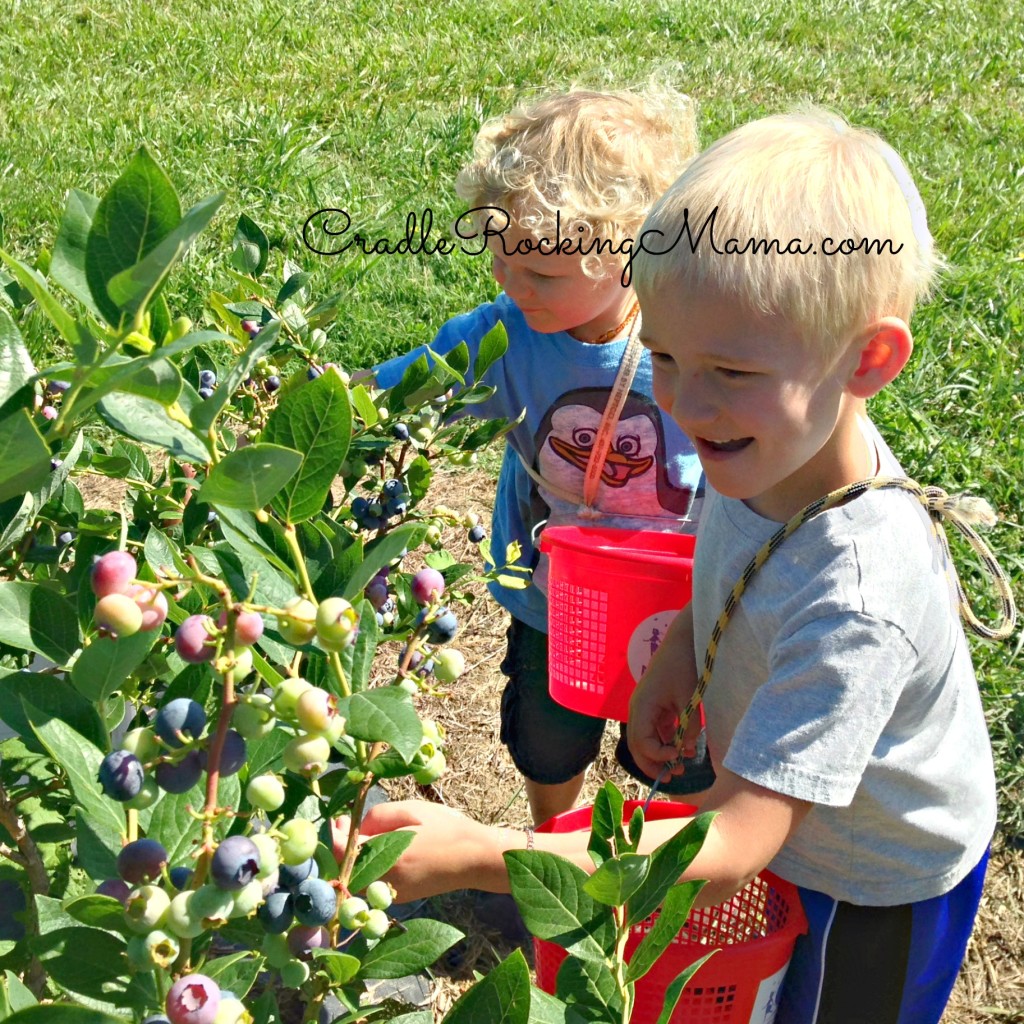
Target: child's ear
x=881 y=352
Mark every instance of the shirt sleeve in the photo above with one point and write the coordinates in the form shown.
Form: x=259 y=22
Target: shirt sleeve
x=814 y=724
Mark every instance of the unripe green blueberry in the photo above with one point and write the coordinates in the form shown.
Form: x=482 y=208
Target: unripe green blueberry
x=275 y=949
x=146 y=908
x=265 y=792
x=307 y=755
x=247 y=899
x=380 y=895
x=253 y=718
x=157 y=949
x=376 y=925
x=294 y=973
x=270 y=856
x=142 y=743
x=336 y=623
x=432 y=770
x=239 y=660
x=117 y=615
x=449 y=664
x=432 y=732
x=298 y=841
x=147 y=796
x=286 y=696
x=315 y=709
x=353 y=913
x=180 y=919
x=212 y=904
x=297 y=624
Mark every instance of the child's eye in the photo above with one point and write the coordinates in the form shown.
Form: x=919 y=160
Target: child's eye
x=733 y=374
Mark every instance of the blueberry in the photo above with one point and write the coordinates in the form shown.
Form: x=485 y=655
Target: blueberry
x=211 y=516
x=57 y=387
x=207 y=379
x=359 y=505
x=313 y=372
x=235 y=863
x=291 y=875
x=157 y=1018
x=400 y=431
x=205 y=393
x=396 y=507
x=65 y=538
x=182 y=715
x=393 y=488
x=443 y=627
x=141 y=861
x=477 y=534
x=121 y=775
x=115 y=888
x=271 y=384
x=55 y=464
x=232 y=755
x=314 y=901
x=180 y=777
x=181 y=878
x=276 y=914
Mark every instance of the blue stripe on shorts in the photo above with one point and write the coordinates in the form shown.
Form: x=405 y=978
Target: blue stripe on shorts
x=879 y=965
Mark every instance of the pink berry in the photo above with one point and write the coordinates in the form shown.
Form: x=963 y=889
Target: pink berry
x=193 y=999
x=191 y=640
x=49 y=413
x=112 y=573
x=248 y=627
x=152 y=603
x=427 y=585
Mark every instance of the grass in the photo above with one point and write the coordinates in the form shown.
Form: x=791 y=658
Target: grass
x=371 y=107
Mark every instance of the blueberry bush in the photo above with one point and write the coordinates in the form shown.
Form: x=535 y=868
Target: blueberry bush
x=191 y=683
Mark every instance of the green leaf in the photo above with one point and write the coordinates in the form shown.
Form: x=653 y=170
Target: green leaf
x=500 y=997
x=81 y=959
x=418 y=946
x=105 y=664
x=19 y=997
x=235 y=973
x=173 y=824
x=67 y=267
x=357 y=660
x=251 y=477
x=133 y=289
x=676 y=986
x=98 y=912
x=35 y=284
x=364 y=406
x=382 y=553
x=37 y=618
x=674 y=911
x=137 y=213
x=16 y=369
x=589 y=988
x=341 y=968
x=384 y=714
x=550 y=894
x=668 y=862
x=315 y=419
x=377 y=856
x=146 y=420
x=156 y=379
x=14 y=527
x=24 y=457
x=618 y=878
x=63 y=1013
x=250 y=247
x=606 y=824
x=493 y=346
x=55 y=697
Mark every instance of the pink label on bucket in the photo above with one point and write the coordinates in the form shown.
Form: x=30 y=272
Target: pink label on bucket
x=646 y=639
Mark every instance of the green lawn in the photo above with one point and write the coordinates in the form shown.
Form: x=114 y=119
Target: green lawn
x=371 y=107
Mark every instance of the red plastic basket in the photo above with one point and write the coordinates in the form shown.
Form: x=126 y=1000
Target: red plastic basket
x=754 y=933
x=611 y=595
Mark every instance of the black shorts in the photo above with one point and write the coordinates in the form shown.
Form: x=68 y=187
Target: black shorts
x=551 y=744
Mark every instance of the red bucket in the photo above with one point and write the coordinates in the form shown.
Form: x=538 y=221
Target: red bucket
x=611 y=596
x=754 y=933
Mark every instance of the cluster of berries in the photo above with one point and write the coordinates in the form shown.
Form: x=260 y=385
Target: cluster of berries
x=207 y=383
x=373 y=513
x=47 y=405
x=125 y=605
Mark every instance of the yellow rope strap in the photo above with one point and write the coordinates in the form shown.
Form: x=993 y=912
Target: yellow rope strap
x=962 y=510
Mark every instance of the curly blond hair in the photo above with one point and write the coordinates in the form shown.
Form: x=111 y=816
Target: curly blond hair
x=596 y=159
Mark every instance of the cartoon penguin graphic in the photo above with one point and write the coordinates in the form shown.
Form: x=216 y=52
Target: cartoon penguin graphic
x=634 y=480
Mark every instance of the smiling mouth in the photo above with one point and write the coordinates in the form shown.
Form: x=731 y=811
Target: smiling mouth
x=735 y=445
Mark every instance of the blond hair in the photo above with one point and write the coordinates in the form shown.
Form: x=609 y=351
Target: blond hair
x=807 y=176
x=596 y=159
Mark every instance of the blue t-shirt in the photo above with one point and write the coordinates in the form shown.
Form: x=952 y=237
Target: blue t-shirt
x=651 y=471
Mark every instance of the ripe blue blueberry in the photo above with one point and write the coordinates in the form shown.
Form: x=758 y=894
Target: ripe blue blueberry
x=271 y=384
x=65 y=538
x=393 y=488
x=235 y=863
x=232 y=755
x=141 y=861
x=396 y=507
x=207 y=379
x=181 y=878
x=182 y=715
x=400 y=431
x=443 y=627
x=56 y=387
x=115 y=888
x=121 y=775
x=314 y=901
x=313 y=372
x=292 y=875
x=180 y=777
x=205 y=393
x=276 y=914
x=477 y=534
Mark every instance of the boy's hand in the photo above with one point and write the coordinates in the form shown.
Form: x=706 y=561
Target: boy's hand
x=660 y=697
x=450 y=851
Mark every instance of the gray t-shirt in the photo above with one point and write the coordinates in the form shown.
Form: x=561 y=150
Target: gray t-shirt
x=844 y=678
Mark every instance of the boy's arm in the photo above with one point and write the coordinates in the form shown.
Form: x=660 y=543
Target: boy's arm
x=660 y=697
